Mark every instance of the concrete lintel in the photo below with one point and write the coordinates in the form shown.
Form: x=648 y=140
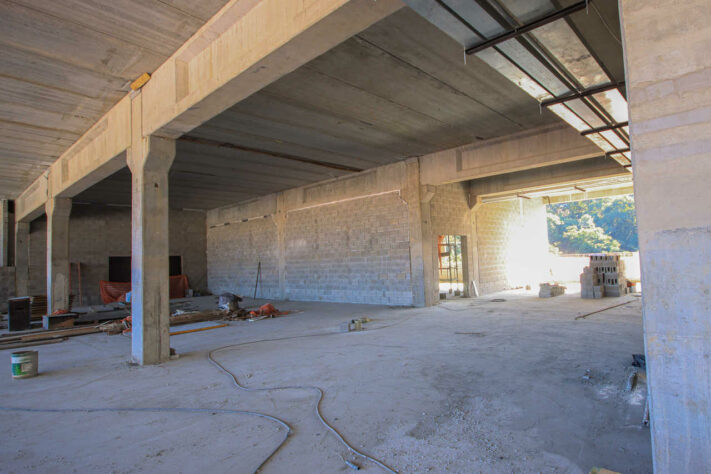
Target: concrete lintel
x=58 y=277
x=574 y=173
x=545 y=146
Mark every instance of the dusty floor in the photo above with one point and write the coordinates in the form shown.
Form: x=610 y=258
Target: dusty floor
x=469 y=386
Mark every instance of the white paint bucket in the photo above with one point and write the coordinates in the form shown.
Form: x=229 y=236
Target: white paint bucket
x=24 y=364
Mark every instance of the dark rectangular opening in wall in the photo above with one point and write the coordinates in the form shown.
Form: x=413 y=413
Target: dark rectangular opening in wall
x=120 y=268
x=176 y=265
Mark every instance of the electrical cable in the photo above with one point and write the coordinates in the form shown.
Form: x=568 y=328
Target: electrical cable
x=235 y=382
x=318 y=390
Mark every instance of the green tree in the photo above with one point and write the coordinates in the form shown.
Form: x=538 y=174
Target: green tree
x=597 y=225
x=619 y=220
x=588 y=238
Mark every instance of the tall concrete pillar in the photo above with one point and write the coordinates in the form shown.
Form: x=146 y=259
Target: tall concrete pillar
x=4 y=233
x=58 y=210
x=22 y=258
x=279 y=219
x=411 y=195
x=150 y=159
x=669 y=90
x=429 y=246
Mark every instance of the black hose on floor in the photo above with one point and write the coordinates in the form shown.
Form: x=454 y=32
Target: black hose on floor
x=239 y=386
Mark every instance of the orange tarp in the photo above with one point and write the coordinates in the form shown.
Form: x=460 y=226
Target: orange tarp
x=112 y=291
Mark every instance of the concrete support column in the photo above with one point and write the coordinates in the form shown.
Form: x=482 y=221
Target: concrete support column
x=22 y=258
x=280 y=223
x=429 y=246
x=150 y=159
x=58 y=210
x=411 y=194
x=669 y=90
x=4 y=233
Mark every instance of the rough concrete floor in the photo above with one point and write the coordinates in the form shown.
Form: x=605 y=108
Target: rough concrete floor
x=468 y=386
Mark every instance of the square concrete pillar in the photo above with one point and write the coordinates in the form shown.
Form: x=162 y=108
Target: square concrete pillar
x=58 y=210
x=150 y=159
x=4 y=233
x=22 y=258
x=668 y=69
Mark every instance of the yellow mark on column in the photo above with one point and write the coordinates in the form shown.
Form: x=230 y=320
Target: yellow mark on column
x=141 y=81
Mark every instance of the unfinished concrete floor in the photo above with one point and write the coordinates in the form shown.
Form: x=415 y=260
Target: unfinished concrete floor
x=469 y=386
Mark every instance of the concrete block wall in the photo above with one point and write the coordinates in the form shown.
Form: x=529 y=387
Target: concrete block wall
x=235 y=251
x=355 y=239
x=355 y=251
x=512 y=239
x=98 y=232
x=344 y=240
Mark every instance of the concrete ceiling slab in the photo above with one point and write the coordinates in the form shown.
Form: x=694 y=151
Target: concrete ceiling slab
x=399 y=89
x=64 y=63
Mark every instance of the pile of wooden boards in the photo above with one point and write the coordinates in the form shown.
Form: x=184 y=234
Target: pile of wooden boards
x=36 y=338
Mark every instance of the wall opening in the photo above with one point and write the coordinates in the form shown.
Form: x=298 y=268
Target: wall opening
x=451 y=267
x=120 y=268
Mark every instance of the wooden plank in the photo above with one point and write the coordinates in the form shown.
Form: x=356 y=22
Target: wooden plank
x=18 y=345
x=44 y=335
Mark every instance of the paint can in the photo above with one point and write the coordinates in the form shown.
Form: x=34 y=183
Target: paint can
x=24 y=364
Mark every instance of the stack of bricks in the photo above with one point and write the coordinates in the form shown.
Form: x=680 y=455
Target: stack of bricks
x=604 y=277
x=548 y=290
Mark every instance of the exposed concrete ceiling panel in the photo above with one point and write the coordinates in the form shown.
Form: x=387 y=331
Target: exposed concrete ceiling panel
x=399 y=89
x=64 y=63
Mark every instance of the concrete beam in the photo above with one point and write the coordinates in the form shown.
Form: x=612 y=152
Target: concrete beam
x=669 y=89
x=30 y=204
x=244 y=47
x=58 y=277
x=603 y=193
x=149 y=159
x=95 y=156
x=247 y=45
x=532 y=149
x=574 y=173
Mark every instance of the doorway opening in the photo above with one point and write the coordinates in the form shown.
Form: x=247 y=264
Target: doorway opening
x=451 y=267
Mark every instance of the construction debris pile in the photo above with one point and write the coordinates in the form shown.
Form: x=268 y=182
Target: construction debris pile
x=604 y=276
x=25 y=330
